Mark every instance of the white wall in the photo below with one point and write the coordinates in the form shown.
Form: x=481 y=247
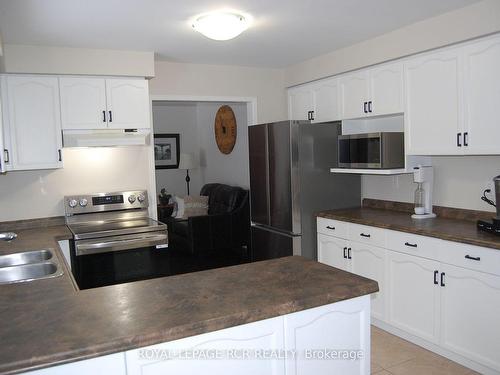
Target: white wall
x=223 y=81
x=36 y=194
x=64 y=60
x=178 y=117
x=229 y=169
x=459 y=181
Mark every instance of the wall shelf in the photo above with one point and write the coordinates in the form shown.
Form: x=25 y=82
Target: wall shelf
x=371 y=171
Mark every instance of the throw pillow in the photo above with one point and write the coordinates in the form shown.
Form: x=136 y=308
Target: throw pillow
x=195 y=205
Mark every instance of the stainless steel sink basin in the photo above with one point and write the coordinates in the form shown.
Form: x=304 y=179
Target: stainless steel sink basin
x=29 y=272
x=26 y=257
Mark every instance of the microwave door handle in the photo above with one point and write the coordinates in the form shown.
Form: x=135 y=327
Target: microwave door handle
x=107 y=246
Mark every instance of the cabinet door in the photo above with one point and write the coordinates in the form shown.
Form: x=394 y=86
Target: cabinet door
x=2 y=153
x=354 y=94
x=482 y=96
x=34 y=123
x=386 y=89
x=300 y=103
x=333 y=251
x=433 y=108
x=326 y=101
x=127 y=103
x=262 y=335
x=340 y=326
x=470 y=307
x=370 y=261
x=83 y=103
x=413 y=298
x=104 y=365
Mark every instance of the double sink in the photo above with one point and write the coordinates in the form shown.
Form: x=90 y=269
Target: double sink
x=29 y=266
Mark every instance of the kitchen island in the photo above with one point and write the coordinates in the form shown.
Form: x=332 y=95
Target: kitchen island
x=279 y=310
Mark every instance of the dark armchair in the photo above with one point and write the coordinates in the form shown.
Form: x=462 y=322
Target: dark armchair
x=226 y=226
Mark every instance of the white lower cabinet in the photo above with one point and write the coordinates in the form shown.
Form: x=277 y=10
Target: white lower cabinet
x=333 y=251
x=340 y=326
x=439 y=294
x=470 y=309
x=105 y=365
x=413 y=297
x=370 y=262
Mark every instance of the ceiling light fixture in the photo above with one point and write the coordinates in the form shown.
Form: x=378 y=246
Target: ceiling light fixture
x=221 y=25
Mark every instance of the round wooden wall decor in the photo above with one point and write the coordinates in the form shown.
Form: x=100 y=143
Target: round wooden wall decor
x=225 y=129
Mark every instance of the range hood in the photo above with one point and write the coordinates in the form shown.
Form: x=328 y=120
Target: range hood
x=106 y=137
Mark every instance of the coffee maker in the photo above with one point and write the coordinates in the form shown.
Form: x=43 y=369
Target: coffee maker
x=494 y=226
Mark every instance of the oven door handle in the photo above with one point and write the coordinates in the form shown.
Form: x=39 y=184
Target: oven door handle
x=118 y=244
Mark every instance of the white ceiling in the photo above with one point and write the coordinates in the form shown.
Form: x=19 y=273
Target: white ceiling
x=284 y=32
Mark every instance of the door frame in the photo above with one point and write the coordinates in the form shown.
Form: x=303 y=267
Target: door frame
x=251 y=102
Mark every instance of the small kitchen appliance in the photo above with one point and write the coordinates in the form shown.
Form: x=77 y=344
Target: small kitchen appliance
x=424 y=177
x=114 y=239
x=494 y=226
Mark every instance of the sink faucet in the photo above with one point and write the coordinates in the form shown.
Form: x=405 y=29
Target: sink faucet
x=8 y=236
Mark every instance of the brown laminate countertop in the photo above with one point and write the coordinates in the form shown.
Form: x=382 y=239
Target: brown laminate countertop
x=49 y=322
x=457 y=230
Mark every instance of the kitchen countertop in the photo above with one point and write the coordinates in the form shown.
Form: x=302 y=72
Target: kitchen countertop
x=446 y=228
x=49 y=322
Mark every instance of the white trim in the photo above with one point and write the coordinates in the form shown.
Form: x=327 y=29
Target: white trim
x=250 y=100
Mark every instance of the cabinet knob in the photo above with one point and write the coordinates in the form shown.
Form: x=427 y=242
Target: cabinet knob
x=466 y=139
x=459 y=139
x=477 y=259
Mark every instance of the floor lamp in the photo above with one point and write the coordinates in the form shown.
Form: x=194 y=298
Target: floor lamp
x=187 y=162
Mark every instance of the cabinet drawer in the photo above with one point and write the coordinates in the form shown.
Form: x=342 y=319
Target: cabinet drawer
x=366 y=234
x=333 y=227
x=472 y=257
x=413 y=244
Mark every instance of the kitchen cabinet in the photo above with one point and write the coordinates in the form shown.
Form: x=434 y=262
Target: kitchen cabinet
x=32 y=123
x=370 y=262
x=433 y=113
x=83 y=103
x=413 y=295
x=333 y=251
x=99 y=103
x=372 y=92
x=481 y=89
x=470 y=307
x=104 y=365
x=361 y=259
x=317 y=102
x=127 y=103
x=262 y=335
x=440 y=294
x=300 y=103
x=2 y=160
x=338 y=326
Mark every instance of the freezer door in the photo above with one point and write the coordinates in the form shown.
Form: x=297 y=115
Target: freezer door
x=269 y=244
x=280 y=176
x=259 y=174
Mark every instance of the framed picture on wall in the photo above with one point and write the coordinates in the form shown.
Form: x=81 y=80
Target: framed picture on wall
x=167 y=151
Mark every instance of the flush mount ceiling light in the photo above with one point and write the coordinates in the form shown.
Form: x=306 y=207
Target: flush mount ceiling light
x=221 y=25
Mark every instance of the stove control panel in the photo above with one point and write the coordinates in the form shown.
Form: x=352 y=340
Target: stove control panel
x=102 y=202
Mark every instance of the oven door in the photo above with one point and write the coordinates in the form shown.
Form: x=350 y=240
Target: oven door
x=119 y=259
x=360 y=151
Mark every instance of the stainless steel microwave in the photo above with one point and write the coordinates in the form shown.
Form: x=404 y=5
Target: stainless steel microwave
x=383 y=150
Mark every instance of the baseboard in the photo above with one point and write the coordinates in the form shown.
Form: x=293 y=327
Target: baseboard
x=435 y=348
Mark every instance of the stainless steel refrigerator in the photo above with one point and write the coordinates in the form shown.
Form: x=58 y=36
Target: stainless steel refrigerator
x=290 y=181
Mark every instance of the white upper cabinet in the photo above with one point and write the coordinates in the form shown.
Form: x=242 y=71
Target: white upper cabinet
x=354 y=95
x=83 y=103
x=433 y=109
x=482 y=97
x=386 y=89
x=326 y=101
x=300 y=103
x=33 y=138
x=127 y=103
x=98 y=103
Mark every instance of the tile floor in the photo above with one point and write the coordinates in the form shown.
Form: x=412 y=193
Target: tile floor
x=392 y=355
